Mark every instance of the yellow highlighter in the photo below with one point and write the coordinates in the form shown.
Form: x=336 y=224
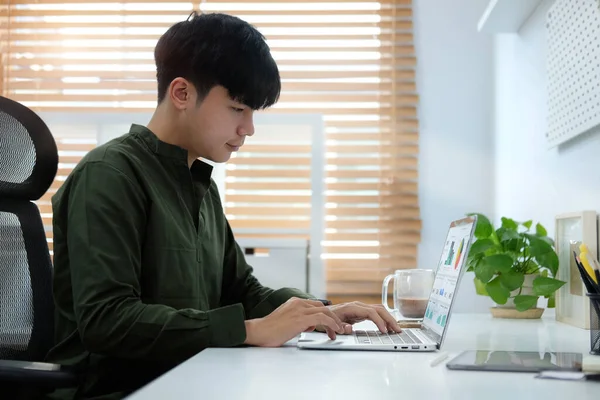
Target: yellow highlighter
x=587 y=261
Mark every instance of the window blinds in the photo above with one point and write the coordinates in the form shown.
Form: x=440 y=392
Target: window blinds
x=352 y=61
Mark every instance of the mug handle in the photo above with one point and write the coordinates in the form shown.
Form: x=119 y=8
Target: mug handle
x=384 y=293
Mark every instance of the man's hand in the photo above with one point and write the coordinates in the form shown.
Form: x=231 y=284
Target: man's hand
x=351 y=313
x=290 y=319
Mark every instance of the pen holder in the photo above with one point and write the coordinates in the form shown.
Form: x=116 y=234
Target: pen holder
x=594 y=323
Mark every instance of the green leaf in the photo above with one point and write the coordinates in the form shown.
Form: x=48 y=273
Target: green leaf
x=509 y=224
x=540 y=230
x=497 y=292
x=529 y=267
x=549 y=260
x=473 y=260
x=544 y=238
x=499 y=262
x=480 y=287
x=543 y=253
x=484 y=272
x=538 y=246
x=513 y=242
x=506 y=235
x=527 y=224
x=551 y=302
x=543 y=286
x=480 y=246
x=525 y=302
x=512 y=280
x=484 y=227
x=512 y=246
x=548 y=240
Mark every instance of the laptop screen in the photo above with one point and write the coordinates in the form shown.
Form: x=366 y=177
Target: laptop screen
x=448 y=273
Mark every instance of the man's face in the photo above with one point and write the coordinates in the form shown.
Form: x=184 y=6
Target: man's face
x=217 y=126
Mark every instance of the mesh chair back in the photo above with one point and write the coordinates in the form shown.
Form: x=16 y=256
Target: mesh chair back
x=28 y=165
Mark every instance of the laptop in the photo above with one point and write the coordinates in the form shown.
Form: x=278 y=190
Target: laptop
x=430 y=336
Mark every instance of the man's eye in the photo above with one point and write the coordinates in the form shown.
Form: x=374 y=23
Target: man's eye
x=237 y=109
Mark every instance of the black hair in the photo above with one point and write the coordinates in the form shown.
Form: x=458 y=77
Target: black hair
x=218 y=49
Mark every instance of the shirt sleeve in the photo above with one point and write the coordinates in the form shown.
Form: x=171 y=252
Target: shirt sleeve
x=106 y=230
x=241 y=286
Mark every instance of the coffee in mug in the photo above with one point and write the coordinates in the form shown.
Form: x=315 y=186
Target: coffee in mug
x=411 y=291
x=412 y=307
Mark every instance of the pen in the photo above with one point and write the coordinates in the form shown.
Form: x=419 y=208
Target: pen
x=596 y=268
x=589 y=285
x=587 y=262
x=439 y=359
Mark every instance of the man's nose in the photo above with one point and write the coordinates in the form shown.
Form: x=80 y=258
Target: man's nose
x=247 y=128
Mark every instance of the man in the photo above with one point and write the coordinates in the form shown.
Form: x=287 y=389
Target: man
x=147 y=271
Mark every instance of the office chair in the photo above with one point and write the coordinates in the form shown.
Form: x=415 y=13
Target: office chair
x=28 y=165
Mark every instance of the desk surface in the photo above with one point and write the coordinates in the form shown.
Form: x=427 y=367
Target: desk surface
x=290 y=373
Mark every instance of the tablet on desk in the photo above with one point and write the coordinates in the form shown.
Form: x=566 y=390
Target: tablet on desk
x=516 y=361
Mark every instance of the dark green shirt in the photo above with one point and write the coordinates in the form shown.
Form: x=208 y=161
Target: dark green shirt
x=147 y=271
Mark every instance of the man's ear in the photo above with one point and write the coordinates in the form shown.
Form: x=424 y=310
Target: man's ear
x=181 y=92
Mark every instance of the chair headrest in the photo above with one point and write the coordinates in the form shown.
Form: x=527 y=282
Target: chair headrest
x=28 y=153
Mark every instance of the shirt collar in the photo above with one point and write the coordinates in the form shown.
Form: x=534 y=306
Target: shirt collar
x=200 y=170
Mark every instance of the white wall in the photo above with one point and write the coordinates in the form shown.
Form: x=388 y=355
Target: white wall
x=456 y=165
x=532 y=181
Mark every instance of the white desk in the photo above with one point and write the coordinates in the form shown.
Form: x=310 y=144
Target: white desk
x=289 y=373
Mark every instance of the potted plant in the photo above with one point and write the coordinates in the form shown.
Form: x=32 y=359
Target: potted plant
x=514 y=265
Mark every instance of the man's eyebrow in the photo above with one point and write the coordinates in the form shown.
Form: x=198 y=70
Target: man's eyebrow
x=239 y=102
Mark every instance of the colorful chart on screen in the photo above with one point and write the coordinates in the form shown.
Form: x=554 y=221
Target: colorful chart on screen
x=448 y=272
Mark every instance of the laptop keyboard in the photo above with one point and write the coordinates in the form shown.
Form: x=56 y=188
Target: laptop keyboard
x=377 y=337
